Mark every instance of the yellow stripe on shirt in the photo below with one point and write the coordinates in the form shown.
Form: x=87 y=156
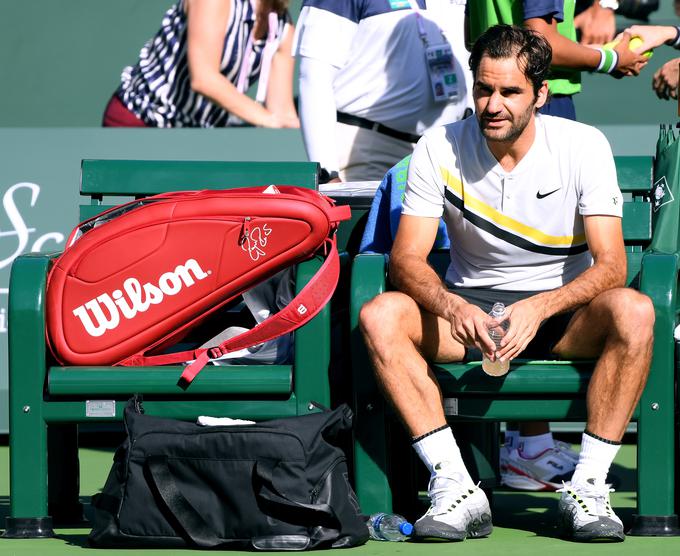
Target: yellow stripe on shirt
x=491 y=214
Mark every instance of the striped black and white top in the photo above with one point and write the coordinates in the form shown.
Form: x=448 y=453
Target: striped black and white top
x=157 y=88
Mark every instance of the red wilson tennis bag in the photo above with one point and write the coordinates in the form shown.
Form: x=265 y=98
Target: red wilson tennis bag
x=141 y=275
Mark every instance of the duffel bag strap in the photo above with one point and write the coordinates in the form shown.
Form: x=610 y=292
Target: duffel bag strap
x=302 y=308
x=186 y=516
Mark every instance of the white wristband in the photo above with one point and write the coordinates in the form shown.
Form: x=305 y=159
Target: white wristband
x=609 y=4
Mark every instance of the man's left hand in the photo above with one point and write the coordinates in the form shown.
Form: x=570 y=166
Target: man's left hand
x=525 y=318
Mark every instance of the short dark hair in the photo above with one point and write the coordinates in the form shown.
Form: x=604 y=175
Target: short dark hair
x=532 y=51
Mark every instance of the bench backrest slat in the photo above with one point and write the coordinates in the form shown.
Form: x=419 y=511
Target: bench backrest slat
x=634 y=172
x=101 y=179
x=637 y=222
x=150 y=177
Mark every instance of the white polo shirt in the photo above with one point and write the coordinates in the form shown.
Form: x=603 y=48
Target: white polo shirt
x=520 y=230
x=380 y=57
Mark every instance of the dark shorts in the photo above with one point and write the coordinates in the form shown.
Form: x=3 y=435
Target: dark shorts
x=549 y=333
x=559 y=105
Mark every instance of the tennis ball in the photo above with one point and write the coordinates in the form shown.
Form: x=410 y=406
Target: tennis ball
x=634 y=43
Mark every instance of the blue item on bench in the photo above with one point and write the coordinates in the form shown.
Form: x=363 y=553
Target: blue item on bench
x=383 y=218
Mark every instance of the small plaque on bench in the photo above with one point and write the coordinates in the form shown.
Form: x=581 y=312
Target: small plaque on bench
x=100 y=408
x=450 y=406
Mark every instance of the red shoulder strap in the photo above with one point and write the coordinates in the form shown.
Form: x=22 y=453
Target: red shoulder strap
x=302 y=308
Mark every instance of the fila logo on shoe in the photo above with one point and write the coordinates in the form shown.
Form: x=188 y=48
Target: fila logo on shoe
x=136 y=298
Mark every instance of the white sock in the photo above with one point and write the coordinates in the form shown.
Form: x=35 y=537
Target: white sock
x=439 y=452
x=594 y=460
x=531 y=446
x=511 y=439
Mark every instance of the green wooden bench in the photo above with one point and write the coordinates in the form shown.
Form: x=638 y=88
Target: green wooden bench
x=543 y=390
x=44 y=396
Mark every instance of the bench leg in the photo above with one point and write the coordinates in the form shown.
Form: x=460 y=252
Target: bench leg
x=656 y=469
x=656 y=442
x=63 y=485
x=28 y=475
x=479 y=443
x=370 y=459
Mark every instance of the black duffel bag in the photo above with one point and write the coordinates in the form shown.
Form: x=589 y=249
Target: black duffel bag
x=277 y=485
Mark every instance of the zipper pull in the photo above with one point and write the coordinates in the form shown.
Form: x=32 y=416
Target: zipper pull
x=138 y=404
x=245 y=230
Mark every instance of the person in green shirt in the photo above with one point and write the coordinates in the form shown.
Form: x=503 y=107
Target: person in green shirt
x=555 y=20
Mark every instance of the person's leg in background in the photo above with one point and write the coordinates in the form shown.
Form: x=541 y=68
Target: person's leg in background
x=365 y=155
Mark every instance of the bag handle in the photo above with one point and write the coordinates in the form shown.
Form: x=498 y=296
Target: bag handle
x=313 y=514
x=302 y=308
x=187 y=517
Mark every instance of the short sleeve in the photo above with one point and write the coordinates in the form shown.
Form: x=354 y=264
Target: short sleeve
x=424 y=194
x=326 y=29
x=544 y=8
x=599 y=188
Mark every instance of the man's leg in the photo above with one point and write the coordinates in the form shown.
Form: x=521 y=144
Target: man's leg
x=400 y=338
x=618 y=326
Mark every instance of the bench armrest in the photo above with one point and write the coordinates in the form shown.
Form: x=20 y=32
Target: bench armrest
x=26 y=341
x=369 y=278
x=28 y=282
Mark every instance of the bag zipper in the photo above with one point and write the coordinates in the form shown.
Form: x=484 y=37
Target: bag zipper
x=314 y=493
x=245 y=230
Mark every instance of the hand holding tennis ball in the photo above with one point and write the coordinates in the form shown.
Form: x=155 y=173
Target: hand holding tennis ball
x=634 y=44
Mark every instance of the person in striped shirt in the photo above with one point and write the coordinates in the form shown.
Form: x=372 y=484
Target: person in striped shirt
x=196 y=70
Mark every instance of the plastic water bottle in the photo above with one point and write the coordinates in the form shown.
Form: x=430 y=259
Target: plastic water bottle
x=496 y=333
x=389 y=527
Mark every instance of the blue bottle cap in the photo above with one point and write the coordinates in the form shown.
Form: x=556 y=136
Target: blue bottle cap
x=406 y=528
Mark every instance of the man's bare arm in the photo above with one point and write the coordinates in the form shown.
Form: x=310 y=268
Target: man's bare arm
x=605 y=241
x=570 y=54
x=411 y=274
x=409 y=270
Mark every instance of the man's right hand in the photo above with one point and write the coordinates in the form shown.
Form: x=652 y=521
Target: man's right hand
x=469 y=326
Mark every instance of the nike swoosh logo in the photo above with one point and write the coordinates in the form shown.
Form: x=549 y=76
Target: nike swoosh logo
x=540 y=195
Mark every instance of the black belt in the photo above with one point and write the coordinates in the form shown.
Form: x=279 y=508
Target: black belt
x=348 y=119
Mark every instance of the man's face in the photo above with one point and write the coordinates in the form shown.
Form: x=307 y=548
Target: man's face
x=504 y=99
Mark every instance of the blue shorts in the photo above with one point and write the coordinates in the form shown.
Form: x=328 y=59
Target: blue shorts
x=559 y=105
x=549 y=333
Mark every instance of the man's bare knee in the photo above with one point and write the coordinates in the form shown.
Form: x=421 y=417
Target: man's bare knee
x=635 y=312
x=385 y=314
x=632 y=315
